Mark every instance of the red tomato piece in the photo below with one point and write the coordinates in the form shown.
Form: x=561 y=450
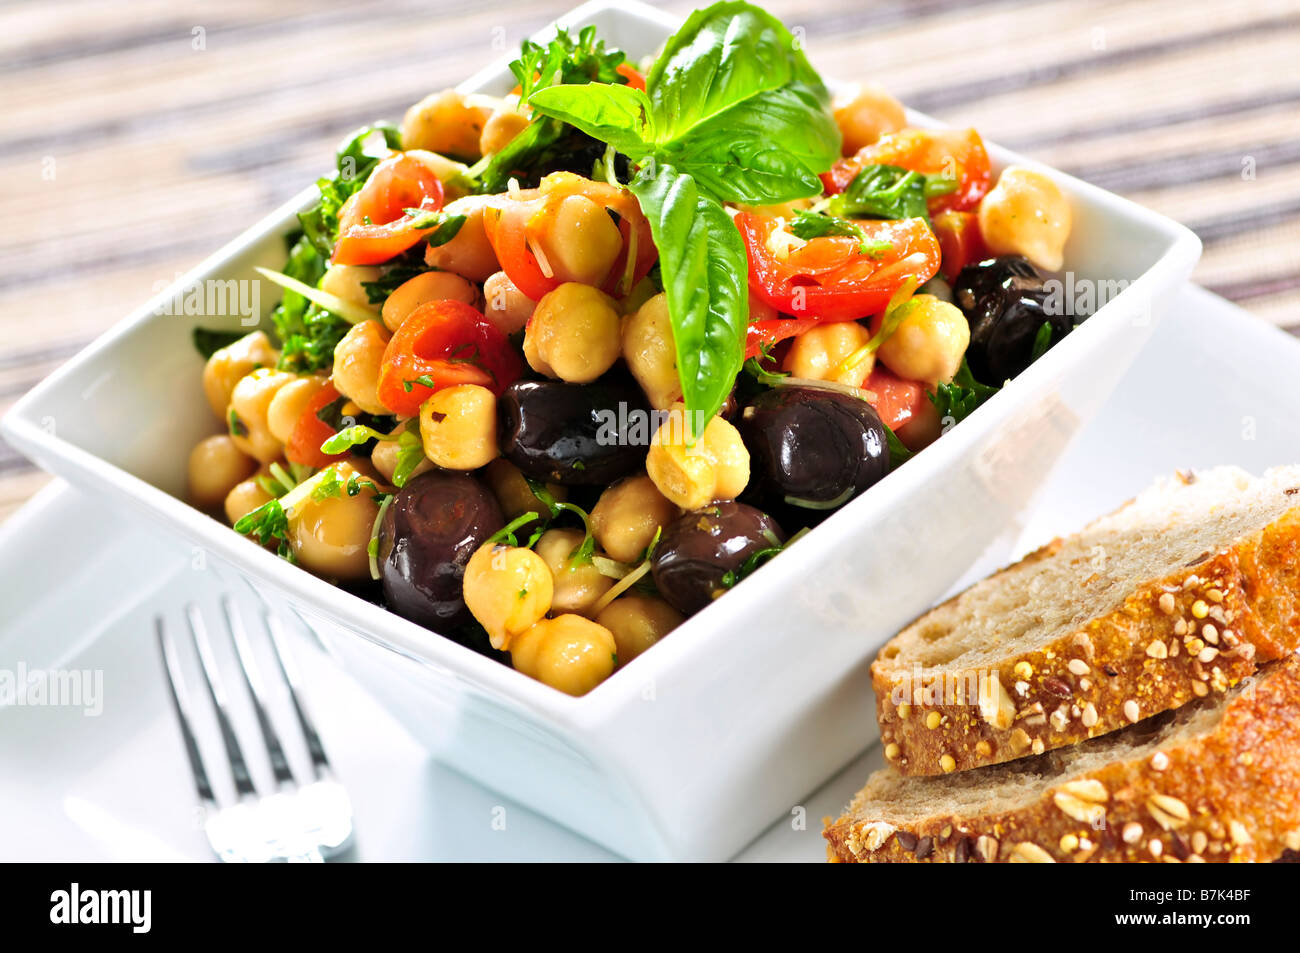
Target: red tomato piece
x=516 y=224
x=373 y=224
x=959 y=240
x=310 y=432
x=447 y=343
x=896 y=400
x=951 y=153
x=829 y=278
x=763 y=334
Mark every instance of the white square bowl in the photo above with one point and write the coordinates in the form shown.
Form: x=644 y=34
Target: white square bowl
x=697 y=745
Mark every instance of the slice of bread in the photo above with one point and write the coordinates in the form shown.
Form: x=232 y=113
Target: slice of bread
x=1217 y=780
x=1177 y=595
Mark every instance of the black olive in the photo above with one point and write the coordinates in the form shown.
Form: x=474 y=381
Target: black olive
x=812 y=448
x=1006 y=305
x=575 y=434
x=703 y=553
x=431 y=529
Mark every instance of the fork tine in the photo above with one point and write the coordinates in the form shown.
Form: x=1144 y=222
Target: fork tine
x=180 y=705
x=319 y=763
x=216 y=691
x=243 y=651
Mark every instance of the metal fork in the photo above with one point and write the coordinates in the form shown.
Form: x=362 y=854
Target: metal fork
x=297 y=823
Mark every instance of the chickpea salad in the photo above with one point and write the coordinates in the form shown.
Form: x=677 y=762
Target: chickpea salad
x=553 y=371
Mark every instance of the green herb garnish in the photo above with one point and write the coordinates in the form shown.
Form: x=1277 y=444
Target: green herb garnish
x=958 y=400
x=733 y=113
x=208 y=341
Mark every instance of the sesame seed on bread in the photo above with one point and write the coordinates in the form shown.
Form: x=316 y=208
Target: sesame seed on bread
x=1216 y=780
x=1177 y=596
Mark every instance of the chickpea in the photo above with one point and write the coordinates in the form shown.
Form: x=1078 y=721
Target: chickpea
x=245 y=497
x=356 y=365
x=288 y=405
x=574 y=334
x=384 y=458
x=820 y=352
x=249 y=403
x=505 y=305
x=1026 y=214
x=578 y=585
x=513 y=491
x=469 y=254
x=226 y=367
x=627 y=516
x=420 y=290
x=453 y=175
x=500 y=130
x=345 y=281
x=715 y=468
x=582 y=241
x=929 y=343
x=447 y=123
x=330 y=537
x=215 y=466
x=507 y=589
x=568 y=652
x=651 y=354
x=459 y=427
x=638 y=622
x=866 y=116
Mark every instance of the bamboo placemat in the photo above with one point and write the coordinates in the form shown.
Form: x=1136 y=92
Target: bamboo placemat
x=138 y=137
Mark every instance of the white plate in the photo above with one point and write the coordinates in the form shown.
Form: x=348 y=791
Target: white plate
x=1214 y=386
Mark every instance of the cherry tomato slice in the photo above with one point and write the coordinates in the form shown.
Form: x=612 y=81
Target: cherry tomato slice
x=373 y=224
x=952 y=153
x=959 y=240
x=763 y=334
x=829 y=278
x=896 y=400
x=447 y=343
x=515 y=224
x=310 y=432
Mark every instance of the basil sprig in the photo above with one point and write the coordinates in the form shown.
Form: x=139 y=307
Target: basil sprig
x=733 y=112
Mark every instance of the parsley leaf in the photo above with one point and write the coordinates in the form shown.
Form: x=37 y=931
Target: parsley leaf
x=808 y=225
x=565 y=60
x=882 y=191
x=267 y=524
x=959 y=399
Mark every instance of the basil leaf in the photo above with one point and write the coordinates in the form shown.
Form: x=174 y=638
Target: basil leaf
x=722 y=55
x=618 y=115
x=882 y=191
x=764 y=150
x=705 y=272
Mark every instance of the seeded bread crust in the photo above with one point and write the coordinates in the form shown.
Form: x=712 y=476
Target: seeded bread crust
x=1231 y=794
x=1175 y=639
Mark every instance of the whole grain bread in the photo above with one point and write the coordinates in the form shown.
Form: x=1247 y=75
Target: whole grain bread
x=1176 y=596
x=1216 y=780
